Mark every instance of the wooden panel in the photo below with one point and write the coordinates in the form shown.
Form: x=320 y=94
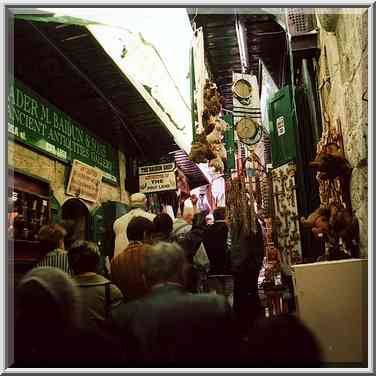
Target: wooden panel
x=332 y=299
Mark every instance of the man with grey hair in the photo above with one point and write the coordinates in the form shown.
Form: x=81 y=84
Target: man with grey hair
x=164 y=264
x=138 y=206
x=170 y=325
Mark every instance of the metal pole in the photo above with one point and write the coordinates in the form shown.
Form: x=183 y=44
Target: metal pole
x=311 y=100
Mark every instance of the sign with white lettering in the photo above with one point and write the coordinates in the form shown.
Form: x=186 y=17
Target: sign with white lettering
x=37 y=123
x=84 y=181
x=157 y=178
x=281 y=126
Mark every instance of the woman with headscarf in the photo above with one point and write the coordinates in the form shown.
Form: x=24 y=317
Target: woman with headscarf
x=47 y=325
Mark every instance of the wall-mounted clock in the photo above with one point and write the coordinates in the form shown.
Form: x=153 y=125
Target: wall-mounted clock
x=246 y=128
x=242 y=91
x=248 y=131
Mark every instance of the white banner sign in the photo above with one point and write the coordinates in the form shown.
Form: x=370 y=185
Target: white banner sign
x=281 y=126
x=84 y=181
x=157 y=178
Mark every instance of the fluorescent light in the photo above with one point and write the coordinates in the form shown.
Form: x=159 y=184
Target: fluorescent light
x=242 y=46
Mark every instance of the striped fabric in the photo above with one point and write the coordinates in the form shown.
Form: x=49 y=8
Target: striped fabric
x=56 y=259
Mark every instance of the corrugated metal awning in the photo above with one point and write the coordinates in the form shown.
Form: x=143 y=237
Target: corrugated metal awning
x=60 y=59
x=195 y=176
x=266 y=42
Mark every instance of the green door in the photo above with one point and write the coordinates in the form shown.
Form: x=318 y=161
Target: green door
x=55 y=210
x=282 y=127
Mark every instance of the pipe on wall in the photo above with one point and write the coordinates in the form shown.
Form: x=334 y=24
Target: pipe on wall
x=311 y=100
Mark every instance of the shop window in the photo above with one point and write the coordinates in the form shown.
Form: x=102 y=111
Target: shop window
x=28 y=206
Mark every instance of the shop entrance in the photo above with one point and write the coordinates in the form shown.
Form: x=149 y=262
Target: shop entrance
x=75 y=216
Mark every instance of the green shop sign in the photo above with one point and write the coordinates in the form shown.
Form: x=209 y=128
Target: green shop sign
x=37 y=123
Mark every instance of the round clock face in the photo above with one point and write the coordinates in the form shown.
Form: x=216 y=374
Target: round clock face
x=242 y=89
x=246 y=128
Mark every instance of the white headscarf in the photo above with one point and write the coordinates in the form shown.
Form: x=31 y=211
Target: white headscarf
x=57 y=285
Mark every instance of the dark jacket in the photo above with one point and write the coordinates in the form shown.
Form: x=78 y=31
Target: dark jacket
x=215 y=242
x=247 y=251
x=171 y=326
x=188 y=237
x=65 y=347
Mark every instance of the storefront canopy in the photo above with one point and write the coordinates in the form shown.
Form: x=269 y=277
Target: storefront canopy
x=120 y=90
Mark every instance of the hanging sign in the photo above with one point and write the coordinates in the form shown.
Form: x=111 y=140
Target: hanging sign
x=84 y=181
x=280 y=122
x=37 y=123
x=157 y=178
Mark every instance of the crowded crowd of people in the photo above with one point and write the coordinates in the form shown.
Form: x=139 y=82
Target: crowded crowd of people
x=154 y=307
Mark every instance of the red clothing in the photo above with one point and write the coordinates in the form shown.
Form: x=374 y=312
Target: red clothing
x=127 y=269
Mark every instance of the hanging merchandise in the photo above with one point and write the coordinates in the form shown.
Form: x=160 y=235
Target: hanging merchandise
x=334 y=221
x=286 y=213
x=209 y=145
x=240 y=206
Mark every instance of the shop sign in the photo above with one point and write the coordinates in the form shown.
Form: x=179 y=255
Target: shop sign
x=157 y=178
x=37 y=123
x=84 y=181
x=280 y=126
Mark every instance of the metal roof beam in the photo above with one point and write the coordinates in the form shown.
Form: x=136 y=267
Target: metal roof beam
x=88 y=80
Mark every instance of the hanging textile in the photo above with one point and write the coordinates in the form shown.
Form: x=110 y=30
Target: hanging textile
x=240 y=205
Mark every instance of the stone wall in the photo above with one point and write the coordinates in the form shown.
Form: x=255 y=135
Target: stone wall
x=344 y=72
x=39 y=165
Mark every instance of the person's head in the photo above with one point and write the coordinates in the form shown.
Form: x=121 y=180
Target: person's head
x=164 y=262
x=209 y=219
x=51 y=237
x=140 y=229
x=163 y=223
x=188 y=215
x=138 y=200
x=219 y=213
x=48 y=299
x=284 y=341
x=83 y=257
